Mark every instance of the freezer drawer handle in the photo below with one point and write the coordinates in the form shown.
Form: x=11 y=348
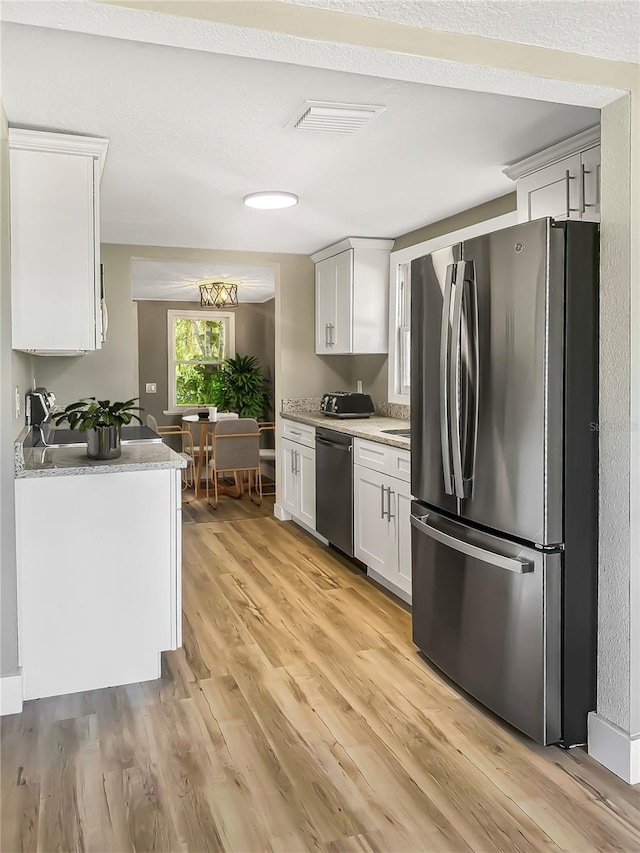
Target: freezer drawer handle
x=511 y=564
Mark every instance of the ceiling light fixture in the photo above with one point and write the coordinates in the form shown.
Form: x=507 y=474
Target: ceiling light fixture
x=218 y=294
x=271 y=200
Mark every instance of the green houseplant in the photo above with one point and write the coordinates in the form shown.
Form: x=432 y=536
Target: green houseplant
x=102 y=420
x=240 y=386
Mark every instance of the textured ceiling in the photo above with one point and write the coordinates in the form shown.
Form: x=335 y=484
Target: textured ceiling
x=176 y=280
x=235 y=39
x=191 y=132
x=605 y=28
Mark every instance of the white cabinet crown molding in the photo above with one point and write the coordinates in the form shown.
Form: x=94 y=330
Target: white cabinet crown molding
x=353 y=243
x=59 y=143
x=574 y=145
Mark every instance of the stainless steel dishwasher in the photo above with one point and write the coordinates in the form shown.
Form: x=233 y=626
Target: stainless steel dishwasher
x=334 y=488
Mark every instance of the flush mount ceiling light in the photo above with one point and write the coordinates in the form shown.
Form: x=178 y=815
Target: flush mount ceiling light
x=218 y=294
x=270 y=200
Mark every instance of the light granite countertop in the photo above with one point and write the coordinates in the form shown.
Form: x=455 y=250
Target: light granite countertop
x=65 y=461
x=368 y=428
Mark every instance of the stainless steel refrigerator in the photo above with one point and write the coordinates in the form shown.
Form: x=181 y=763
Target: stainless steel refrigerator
x=504 y=471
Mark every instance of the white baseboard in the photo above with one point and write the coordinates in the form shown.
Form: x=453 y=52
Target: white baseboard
x=11 y=694
x=614 y=748
x=380 y=579
x=281 y=514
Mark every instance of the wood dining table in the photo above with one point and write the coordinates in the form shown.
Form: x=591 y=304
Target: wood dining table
x=207 y=424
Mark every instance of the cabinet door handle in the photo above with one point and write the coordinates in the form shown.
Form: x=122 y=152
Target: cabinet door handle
x=389 y=514
x=382 y=491
x=326 y=334
x=331 y=340
x=297 y=468
x=568 y=178
x=583 y=173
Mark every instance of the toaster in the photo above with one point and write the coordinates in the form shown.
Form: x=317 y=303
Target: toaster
x=346 y=404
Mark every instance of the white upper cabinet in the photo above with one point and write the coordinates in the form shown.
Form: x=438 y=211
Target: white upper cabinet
x=57 y=300
x=562 y=181
x=352 y=297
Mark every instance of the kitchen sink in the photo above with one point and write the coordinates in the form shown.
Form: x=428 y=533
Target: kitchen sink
x=402 y=433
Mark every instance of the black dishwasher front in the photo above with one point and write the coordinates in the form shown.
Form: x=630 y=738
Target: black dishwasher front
x=334 y=488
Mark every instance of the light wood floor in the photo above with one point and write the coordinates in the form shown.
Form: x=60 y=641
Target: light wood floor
x=296 y=717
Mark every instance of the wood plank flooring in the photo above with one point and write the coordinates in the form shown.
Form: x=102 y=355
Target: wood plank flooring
x=297 y=717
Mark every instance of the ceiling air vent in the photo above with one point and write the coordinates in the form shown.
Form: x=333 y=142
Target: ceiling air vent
x=325 y=117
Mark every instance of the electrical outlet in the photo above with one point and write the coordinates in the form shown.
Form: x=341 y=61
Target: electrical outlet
x=151 y=388
x=18 y=401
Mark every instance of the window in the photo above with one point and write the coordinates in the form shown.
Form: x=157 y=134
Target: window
x=199 y=341
x=404 y=329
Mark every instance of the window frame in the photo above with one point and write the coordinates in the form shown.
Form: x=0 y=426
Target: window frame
x=230 y=349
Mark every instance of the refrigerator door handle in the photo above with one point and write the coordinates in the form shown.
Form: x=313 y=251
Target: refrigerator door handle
x=510 y=564
x=473 y=378
x=445 y=430
x=455 y=391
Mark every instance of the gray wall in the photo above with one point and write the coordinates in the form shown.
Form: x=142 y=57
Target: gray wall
x=488 y=210
x=255 y=335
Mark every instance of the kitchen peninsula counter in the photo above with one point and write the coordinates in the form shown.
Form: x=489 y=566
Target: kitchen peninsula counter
x=66 y=461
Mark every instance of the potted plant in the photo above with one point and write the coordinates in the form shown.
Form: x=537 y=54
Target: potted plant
x=102 y=421
x=240 y=386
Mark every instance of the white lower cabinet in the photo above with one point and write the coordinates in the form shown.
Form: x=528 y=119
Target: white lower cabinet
x=299 y=481
x=382 y=506
x=373 y=538
x=103 y=599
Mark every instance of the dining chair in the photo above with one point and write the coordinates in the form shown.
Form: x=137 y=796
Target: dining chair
x=268 y=454
x=186 y=451
x=236 y=450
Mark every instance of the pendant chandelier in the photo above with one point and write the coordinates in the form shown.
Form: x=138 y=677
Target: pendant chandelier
x=218 y=294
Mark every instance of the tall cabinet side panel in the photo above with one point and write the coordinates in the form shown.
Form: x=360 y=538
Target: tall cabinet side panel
x=581 y=478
